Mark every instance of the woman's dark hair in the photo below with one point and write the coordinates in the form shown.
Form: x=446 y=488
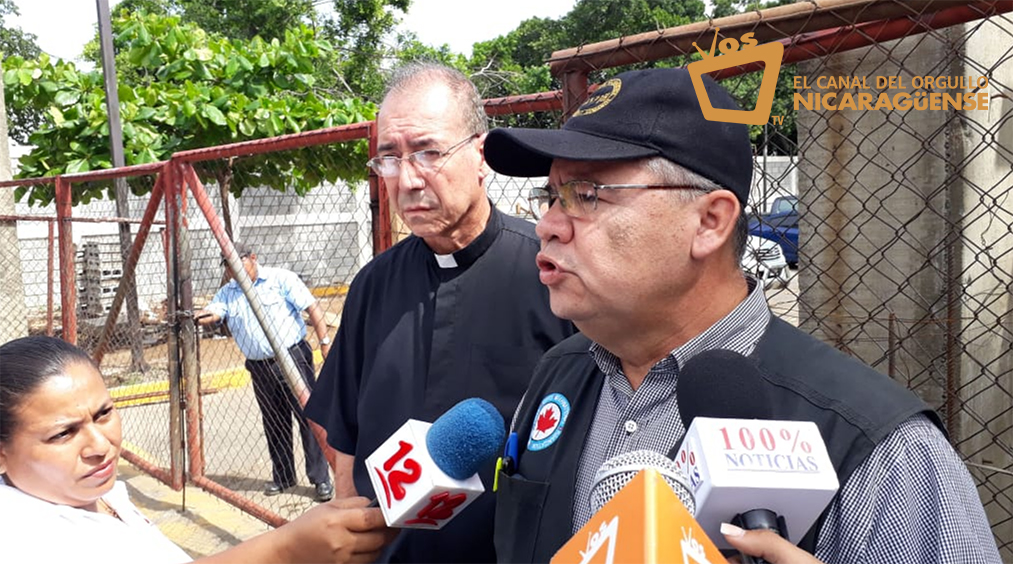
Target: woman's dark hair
x=24 y=365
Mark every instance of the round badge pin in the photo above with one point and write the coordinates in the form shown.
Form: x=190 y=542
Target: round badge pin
x=549 y=421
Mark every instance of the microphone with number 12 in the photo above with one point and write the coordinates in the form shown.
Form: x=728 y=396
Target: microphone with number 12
x=425 y=474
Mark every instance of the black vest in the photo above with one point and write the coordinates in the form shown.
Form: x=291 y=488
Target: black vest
x=854 y=407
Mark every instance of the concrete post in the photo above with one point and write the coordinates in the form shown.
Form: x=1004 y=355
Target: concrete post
x=12 y=288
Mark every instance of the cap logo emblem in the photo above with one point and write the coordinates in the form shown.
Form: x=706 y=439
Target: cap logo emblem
x=600 y=98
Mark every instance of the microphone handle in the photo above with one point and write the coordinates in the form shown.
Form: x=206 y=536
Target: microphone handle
x=756 y=519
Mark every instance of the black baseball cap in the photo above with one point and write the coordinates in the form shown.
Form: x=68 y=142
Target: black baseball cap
x=636 y=114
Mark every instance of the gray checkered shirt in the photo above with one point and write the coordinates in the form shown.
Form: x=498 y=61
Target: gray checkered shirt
x=911 y=500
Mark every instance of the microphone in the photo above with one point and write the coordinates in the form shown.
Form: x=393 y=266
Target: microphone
x=616 y=472
x=425 y=474
x=743 y=467
x=643 y=513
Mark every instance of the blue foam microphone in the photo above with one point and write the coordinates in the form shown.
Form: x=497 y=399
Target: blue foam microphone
x=425 y=474
x=465 y=437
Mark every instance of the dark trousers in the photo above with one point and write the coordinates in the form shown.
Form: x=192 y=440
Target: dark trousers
x=277 y=405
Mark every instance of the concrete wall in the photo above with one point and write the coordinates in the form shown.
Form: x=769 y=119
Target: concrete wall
x=871 y=230
x=324 y=236
x=773 y=176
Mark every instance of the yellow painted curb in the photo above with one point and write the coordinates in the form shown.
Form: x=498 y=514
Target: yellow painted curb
x=329 y=291
x=159 y=391
x=127 y=445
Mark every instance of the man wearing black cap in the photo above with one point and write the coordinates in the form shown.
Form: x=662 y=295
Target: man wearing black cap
x=641 y=235
x=283 y=297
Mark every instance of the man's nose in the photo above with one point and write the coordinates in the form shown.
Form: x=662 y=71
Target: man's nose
x=555 y=224
x=410 y=176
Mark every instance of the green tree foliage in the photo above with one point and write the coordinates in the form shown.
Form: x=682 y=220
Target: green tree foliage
x=779 y=139
x=515 y=63
x=355 y=28
x=189 y=89
x=15 y=42
x=359 y=29
x=234 y=19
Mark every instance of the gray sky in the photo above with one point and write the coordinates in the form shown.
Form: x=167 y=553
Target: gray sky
x=64 y=26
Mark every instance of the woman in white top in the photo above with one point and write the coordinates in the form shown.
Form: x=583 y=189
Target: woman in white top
x=60 y=440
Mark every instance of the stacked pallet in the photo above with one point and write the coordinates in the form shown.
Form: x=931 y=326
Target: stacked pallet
x=101 y=268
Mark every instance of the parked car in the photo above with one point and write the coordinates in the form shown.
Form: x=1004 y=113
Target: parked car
x=764 y=260
x=780 y=225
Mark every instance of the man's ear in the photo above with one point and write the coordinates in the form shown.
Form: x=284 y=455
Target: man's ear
x=719 y=210
x=483 y=167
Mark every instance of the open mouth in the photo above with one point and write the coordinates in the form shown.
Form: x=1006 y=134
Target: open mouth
x=545 y=264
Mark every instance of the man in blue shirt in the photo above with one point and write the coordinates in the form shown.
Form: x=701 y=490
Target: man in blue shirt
x=283 y=297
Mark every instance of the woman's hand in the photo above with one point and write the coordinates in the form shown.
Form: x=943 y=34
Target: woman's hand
x=342 y=530
x=767 y=545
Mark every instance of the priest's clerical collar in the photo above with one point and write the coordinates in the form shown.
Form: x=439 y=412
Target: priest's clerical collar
x=469 y=254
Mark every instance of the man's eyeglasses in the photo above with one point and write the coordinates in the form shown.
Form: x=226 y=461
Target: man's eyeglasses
x=426 y=159
x=241 y=257
x=580 y=197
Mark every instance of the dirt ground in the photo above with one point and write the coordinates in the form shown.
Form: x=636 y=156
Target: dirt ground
x=234 y=447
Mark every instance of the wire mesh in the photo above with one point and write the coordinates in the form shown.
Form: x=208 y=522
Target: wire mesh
x=29 y=269
x=132 y=349
x=322 y=234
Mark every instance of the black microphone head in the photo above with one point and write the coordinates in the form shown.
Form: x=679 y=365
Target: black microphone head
x=722 y=384
x=617 y=471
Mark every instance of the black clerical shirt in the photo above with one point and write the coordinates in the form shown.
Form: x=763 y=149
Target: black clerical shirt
x=420 y=332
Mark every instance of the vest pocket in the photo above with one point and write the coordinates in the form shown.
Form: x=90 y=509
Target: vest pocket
x=519 y=504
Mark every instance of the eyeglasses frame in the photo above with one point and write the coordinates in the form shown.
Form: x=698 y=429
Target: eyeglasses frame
x=413 y=158
x=553 y=194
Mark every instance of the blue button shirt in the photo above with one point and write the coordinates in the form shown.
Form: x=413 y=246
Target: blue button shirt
x=282 y=295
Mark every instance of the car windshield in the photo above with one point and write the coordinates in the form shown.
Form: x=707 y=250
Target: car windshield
x=784 y=205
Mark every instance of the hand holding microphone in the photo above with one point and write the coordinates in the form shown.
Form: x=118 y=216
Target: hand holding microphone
x=744 y=468
x=425 y=474
x=643 y=513
x=765 y=545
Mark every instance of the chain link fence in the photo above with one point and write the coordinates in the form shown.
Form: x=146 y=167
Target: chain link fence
x=324 y=236
x=29 y=268
x=895 y=221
